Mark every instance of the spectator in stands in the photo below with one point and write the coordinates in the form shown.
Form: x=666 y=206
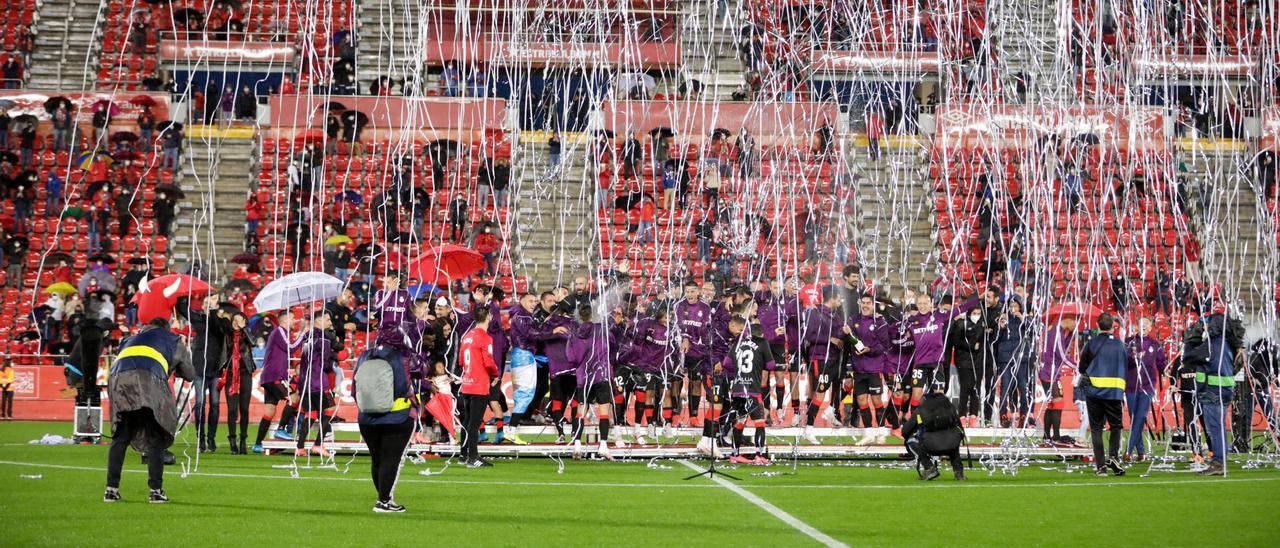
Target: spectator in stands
x=1163 y=297
x=1266 y=174
x=124 y=210
x=553 y=150
x=705 y=231
x=711 y=184
x=457 y=216
x=345 y=41
x=62 y=125
x=344 y=77
x=164 y=210
x=12 y=73
x=52 y=194
x=252 y=215
x=15 y=256
x=875 y=132
x=449 y=79
x=632 y=156
x=246 y=104
x=22 y=197
x=138 y=33
x=26 y=143
x=487 y=245
x=227 y=103
x=4 y=131
x=747 y=153
x=286 y=85
x=478 y=83
x=95 y=228
x=648 y=215
x=501 y=183
x=669 y=184
x=171 y=143
x=485 y=177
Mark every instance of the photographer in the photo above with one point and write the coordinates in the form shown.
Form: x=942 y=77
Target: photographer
x=934 y=430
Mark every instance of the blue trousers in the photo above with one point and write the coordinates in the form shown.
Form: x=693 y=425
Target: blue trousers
x=1213 y=403
x=1139 y=405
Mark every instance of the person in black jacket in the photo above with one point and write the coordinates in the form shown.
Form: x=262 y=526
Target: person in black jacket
x=238 y=380
x=210 y=327
x=1014 y=360
x=965 y=345
x=934 y=430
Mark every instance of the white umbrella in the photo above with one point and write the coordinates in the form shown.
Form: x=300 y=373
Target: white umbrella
x=298 y=288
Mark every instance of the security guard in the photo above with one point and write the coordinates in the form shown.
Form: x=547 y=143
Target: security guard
x=934 y=430
x=1212 y=345
x=143 y=413
x=1102 y=376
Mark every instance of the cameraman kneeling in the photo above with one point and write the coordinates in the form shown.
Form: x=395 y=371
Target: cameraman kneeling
x=934 y=431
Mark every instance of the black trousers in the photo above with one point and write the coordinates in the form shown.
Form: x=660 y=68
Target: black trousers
x=924 y=454
x=6 y=404
x=132 y=422
x=539 y=391
x=473 y=407
x=238 y=407
x=1104 y=413
x=386 y=443
x=969 y=400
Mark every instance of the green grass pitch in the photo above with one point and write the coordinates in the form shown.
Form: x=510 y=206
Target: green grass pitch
x=244 y=500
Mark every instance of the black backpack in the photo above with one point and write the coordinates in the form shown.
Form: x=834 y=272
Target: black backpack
x=938 y=414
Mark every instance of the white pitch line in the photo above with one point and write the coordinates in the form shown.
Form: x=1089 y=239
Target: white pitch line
x=779 y=513
x=972 y=484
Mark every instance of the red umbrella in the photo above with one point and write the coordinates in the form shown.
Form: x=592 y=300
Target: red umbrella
x=442 y=264
x=441 y=407
x=143 y=101
x=157 y=297
x=1085 y=312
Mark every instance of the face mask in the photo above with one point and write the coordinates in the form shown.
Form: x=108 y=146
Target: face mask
x=975 y=317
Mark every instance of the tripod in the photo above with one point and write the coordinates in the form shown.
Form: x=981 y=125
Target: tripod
x=711 y=472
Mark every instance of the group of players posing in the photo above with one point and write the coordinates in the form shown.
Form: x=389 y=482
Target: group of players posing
x=744 y=355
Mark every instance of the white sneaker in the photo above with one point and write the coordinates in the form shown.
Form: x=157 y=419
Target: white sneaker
x=705 y=447
x=667 y=432
x=865 y=441
x=618 y=444
x=577 y=449
x=830 y=415
x=652 y=431
x=604 y=451
x=640 y=439
x=810 y=436
x=795 y=420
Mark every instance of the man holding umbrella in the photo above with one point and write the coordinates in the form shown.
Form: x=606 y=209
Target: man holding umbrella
x=143 y=413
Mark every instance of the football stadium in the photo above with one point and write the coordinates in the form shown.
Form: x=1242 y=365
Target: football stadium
x=640 y=272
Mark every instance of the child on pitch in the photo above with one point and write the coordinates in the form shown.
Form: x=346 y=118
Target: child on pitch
x=749 y=363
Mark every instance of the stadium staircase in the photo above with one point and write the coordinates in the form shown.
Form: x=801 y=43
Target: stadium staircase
x=387 y=44
x=1228 y=223
x=558 y=236
x=66 y=45
x=893 y=215
x=1027 y=34
x=216 y=179
x=702 y=31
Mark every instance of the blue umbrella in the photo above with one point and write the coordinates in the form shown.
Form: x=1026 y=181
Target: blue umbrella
x=421 y=290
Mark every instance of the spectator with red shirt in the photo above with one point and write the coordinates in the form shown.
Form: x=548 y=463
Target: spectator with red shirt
x=252 y=215
x=875 y=132
x=487 y=245
x=648 y=214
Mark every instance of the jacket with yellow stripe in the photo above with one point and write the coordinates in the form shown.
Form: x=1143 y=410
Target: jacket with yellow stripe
x=1103 y=362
